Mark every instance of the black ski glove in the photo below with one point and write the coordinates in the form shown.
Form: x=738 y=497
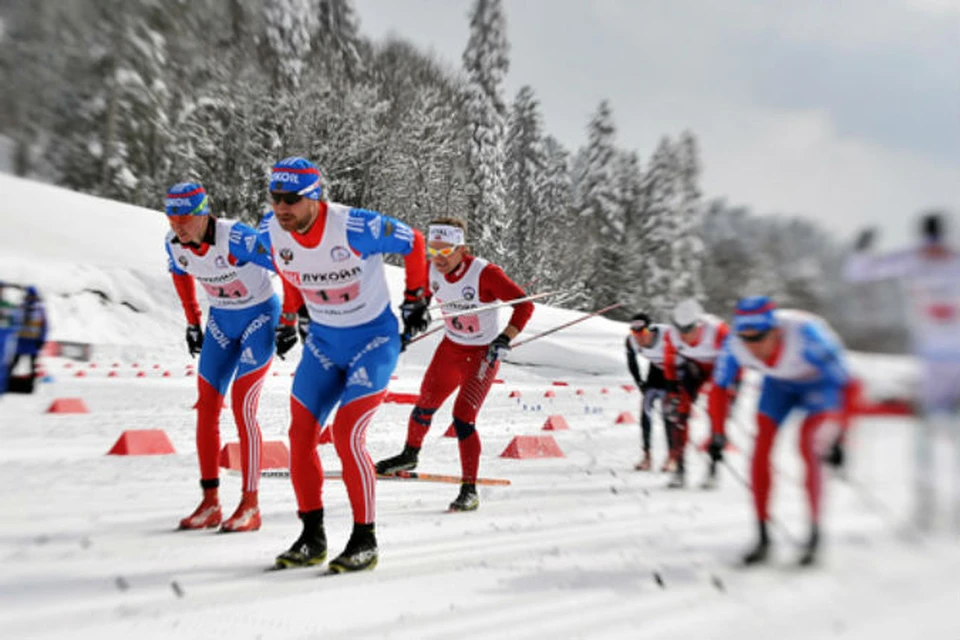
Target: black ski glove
x=285 y=339
x=498 y=348
x=416 y=317
x=194 y=339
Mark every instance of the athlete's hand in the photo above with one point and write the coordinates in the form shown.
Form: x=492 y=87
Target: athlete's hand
x=498 y=348
x=416 y=317
x=717 y=442
x=285 y=339
x=194 y=339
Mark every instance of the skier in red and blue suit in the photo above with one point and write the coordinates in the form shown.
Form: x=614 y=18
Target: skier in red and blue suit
x=231 y=265
x=330 y=257
x=804 y=367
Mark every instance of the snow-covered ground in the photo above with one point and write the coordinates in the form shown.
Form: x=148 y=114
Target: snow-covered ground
x=579 y=546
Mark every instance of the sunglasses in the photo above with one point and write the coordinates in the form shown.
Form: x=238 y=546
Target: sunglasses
x=446 y=252
x=287 y=197
x=687 y=328
x=753 y=337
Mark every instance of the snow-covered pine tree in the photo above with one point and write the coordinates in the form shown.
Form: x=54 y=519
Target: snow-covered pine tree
x=628 y=179
x=525 y=168
x=114 y=130
x=291 y=26
x=601 y=217
x=688 y=248
x=485 y=62
x=561 y=237
x=658 y=230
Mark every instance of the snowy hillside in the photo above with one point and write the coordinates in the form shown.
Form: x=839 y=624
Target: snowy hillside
x=576 y=547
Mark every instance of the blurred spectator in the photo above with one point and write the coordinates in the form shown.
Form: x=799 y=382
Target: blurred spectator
x=931 y=275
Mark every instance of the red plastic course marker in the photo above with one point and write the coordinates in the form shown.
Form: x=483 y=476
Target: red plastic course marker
x=556 y=423
x=68 y=405
x=523 y=447
x=142 y=442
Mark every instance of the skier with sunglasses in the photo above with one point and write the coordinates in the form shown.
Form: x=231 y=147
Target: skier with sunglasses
x=469 y=355
x=330 y=258
x=804 y=367
x=233 y=267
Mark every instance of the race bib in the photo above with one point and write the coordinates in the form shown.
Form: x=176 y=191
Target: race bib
x=233 y=289
x=332 y=296
x=467 y=323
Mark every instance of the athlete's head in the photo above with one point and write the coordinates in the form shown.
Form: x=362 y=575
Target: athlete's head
x=295 y=191
x=686 y=318
x=755 y=323
x=446 y=243
x=640 y=329
x=188 y=211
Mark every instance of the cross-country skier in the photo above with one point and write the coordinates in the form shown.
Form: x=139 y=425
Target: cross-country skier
x=931 y=273
x=10 y=318
x=647 y=340
x=469 y=355
x=32 y=336
x=226 y=258
x=330 y=257
x=691 y=348
x=803 y=366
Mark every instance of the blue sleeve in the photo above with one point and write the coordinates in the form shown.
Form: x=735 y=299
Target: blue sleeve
x=171 y=263
x=246 y=245
x=263 y=232
x=727 y=367
x=369 y=232
x=823 y=351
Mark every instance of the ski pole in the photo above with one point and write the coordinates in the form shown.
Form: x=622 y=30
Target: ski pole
x=485 y=365
x=566 y=324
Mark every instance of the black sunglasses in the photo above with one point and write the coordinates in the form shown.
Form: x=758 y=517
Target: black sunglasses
x=753 y=337
x=687 y=328
x=288 y=197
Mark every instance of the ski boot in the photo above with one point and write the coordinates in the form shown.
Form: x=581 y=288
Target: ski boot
x=404 y=461
x=809 y=555
x=467 y=500
x=669 y=465
x=835 y=457
x=310 y=548
x=679 y=478
x=207 y=515
x=360 y=553
x=645 y=463
x=759 y=553
x=246 y=517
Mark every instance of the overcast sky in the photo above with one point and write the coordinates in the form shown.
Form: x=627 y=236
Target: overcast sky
x=846 y=112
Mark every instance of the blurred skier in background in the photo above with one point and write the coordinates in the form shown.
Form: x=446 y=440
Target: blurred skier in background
x=647 y=340
x=469 y=355
x=330 y=257
x=225 y=257
x=691 y=347
x=803 y=366
x=9 y=329
x=32 y=336
x=931 y=275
